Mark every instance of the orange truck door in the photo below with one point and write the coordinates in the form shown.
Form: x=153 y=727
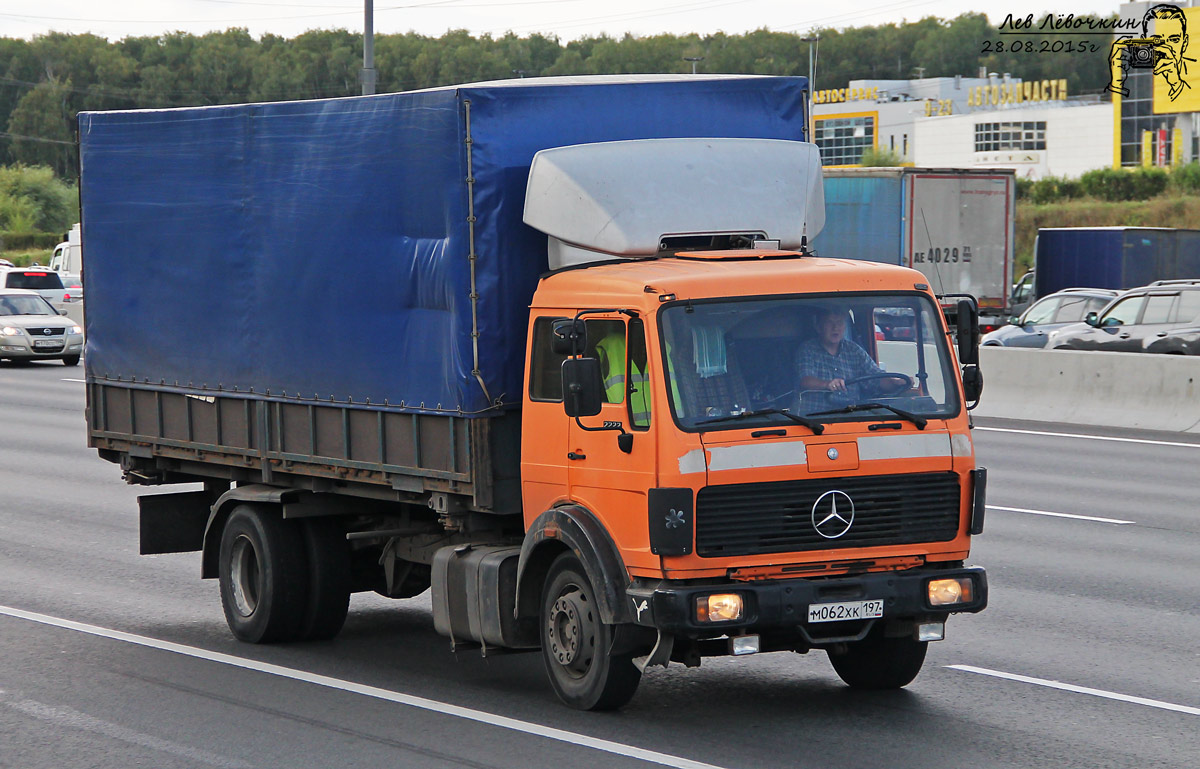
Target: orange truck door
x=602 y=477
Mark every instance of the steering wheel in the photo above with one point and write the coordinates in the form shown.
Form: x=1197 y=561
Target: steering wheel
x=904 y=379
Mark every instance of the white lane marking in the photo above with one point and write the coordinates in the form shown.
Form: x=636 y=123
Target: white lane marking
x=80 y=381
x=1079 y=689
x=1117 y=521
x=479 y=716
x=70 y=718
x=1090 y=437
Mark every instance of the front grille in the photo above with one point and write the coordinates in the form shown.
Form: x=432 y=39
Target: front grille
x=40 y=331
x=757 y=518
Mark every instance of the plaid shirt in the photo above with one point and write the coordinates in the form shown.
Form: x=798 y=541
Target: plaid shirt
x=850 y=362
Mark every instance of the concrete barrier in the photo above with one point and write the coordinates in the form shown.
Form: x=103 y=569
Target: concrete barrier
x=1112 y=389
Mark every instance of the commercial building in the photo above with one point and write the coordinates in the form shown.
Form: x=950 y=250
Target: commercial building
x=992 y=121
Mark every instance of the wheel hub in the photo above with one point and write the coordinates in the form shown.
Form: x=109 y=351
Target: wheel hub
x=571 y=630
x=244 y=576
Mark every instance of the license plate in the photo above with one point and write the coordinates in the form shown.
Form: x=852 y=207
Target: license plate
x=51 y=343
x=840 y=612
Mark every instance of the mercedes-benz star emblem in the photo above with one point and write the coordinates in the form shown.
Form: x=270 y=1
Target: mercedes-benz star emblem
x=833 y=514
x=832 y=453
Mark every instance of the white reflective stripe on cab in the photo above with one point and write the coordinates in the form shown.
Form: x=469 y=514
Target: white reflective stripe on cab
x=780 y=454
x=692 y=462
x=787 y=453
x=906 y=446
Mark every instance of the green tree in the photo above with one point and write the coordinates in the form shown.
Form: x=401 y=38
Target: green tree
x=40 y=128
x=49 y=203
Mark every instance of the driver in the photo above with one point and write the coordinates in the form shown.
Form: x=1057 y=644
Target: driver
x=830 y=360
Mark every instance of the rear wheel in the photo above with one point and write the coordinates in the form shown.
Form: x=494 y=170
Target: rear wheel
x=264 y=584
x=878 y=662
x=576 y=644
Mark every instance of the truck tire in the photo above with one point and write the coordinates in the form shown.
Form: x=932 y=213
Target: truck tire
x=262 y=570
x=878 y=662
x=329 y=579
x=576 y=644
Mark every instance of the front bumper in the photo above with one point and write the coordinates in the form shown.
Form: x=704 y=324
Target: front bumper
x=782 y=605
x=17 y=347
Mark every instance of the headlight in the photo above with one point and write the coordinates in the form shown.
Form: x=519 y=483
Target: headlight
x=947 y=592
x=76 y=330
x=10 y=331
x=720 y=607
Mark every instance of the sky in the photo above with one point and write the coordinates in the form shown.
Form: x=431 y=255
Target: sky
x=565 y=19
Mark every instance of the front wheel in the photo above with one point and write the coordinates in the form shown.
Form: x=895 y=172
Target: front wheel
x=577 y=644
x=879 y=662
x=70 y=360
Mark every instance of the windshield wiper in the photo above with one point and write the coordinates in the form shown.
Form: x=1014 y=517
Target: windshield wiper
x=920 y=422
x=811 y=424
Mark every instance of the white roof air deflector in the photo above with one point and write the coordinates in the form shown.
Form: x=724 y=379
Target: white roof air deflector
x=620 y=199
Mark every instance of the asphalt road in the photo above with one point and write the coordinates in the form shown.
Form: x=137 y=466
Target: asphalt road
x=1087 y=656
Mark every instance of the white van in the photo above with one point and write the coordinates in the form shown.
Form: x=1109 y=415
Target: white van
x=68 y=255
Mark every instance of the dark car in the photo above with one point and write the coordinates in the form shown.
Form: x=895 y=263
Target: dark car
x=1033 y=328
x=1163 y=317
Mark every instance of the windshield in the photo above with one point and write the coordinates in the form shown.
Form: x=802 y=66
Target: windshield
x=736 y=364
x=25 y=305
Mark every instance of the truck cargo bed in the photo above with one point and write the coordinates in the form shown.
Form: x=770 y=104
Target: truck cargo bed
x=165 y=436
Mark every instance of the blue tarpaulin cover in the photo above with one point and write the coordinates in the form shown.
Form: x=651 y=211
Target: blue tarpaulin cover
x=320 y=249
x=1113 y=257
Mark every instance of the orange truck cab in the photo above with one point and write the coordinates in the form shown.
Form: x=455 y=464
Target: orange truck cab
x=762 y=450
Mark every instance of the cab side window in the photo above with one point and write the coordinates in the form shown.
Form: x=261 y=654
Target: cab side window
x=639 y=377
x=606 y=342
x=545 y=366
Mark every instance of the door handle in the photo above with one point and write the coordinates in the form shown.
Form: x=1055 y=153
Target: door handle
x=1125 y=335
x=574 y=455
x=1161 y=333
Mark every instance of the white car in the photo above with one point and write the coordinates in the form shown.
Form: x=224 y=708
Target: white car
x=31 y=329
x=43 y=280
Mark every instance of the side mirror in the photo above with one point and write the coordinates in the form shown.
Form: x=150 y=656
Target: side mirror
x=1092 y=319
x=62 y=312
x=582 y=386
x=967 y=332
x=568 y=337
x=972 y=379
